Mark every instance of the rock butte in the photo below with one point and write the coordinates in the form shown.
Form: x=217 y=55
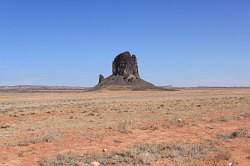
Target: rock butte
x=125 y=75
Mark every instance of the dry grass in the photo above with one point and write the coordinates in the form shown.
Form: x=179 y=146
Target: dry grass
x=37 y=139
x=240 y=133
x=181 y=154
x=125 y=126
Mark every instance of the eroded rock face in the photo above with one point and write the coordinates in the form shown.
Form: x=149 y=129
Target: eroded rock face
x=125 y=65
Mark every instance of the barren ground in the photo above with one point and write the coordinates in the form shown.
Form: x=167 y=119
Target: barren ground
x=185 y=128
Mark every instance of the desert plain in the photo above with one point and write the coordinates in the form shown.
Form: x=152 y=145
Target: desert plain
x=186 y=127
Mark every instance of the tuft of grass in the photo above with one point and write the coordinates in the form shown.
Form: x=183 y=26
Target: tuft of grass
x=240 y=133
x=125 y=126
x=37 y=140
x=6 y=126
x=49 y=137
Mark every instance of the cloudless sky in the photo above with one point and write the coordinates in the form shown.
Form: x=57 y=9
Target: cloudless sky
x=177 y=42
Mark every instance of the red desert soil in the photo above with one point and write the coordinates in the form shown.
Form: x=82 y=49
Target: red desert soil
x=39 y=126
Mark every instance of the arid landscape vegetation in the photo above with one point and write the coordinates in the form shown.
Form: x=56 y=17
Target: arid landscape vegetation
x=186 y=127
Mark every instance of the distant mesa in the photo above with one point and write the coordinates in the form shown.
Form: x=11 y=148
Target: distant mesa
x=125 y=74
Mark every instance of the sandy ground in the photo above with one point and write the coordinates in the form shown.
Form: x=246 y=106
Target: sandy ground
x=37 y=127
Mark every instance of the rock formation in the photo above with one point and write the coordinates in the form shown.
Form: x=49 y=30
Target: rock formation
x=125 y=65
x=125 y=74
x=101 y=78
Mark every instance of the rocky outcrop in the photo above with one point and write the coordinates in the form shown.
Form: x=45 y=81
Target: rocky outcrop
x=125 y=74
x=101 y=78
x=125 y=65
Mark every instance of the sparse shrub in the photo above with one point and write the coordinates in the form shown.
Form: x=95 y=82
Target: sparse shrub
x=236 y=134
x=148 y=154
x=6 y=126
x=125 y=126
x=39 y=139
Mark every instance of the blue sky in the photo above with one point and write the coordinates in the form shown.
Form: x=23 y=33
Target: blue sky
x=177 y=42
